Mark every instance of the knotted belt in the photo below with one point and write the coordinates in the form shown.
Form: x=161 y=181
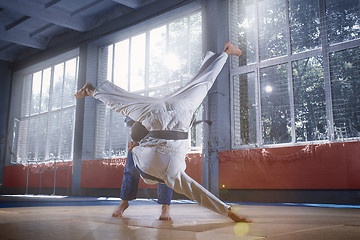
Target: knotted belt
x=169 y=135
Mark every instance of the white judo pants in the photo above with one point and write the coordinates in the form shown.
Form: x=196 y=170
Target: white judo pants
x=183 y=184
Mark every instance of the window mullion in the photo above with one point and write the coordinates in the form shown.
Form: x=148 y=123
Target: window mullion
x=74 y=110
x=47 y=151
x=259 y=138
x=51 y=88
x=289 y=75
x=110 y=133
x=291 y=99
x=147 y=62
x=111 y=112
x=113 y=63
x=31 y=95
x=41 y=90
x=326 y=66
x=259 y=135
x=167 y=49
x=129 y=63
x=38 y=118
x=60 y=135
x=188 y=45
x=62 y=107
x=29 y=113
x=63 y=86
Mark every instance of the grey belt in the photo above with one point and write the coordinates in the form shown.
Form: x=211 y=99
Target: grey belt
x=168 y=135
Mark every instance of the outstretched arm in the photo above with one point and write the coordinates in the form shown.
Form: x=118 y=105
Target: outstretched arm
x=193 y=93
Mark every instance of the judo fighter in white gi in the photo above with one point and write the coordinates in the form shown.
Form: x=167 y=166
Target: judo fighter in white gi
x=161 y=156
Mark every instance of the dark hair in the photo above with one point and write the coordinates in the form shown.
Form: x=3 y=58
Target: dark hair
x=138 y=131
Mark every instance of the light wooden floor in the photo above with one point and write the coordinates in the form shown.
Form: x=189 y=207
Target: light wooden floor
x=190 y=222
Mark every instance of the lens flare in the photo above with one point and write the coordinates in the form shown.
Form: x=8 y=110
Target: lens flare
x=241 y=229
x=268 y=89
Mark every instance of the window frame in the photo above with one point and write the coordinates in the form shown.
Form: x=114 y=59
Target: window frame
x=18 y=115
x=324 y=50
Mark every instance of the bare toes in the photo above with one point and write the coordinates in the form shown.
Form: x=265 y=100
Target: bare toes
x=165 y=218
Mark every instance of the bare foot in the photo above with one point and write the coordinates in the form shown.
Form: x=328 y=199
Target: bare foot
x=165 y=213
x=237 y=218
x=230 y=49
x=120 y=209
x=86 y=90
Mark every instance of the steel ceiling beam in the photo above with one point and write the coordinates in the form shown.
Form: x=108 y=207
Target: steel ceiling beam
x=6 y=57
x=52 y=15
x=130 y=3
x=51 y=3
x=17 y=22
x=22 y=38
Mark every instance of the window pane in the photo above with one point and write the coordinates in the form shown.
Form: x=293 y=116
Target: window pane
x=22 y=149
x=57 y=90
x=32 y=136
x=41 y=137
x=157 y=52
x=309 y=100
x=121 y=64
x=69 y=83
x=275 y=107
x=345 y=87
x=343 y=20
x=177 y=59
x=54 y=134
x=67 y=133
x=35 y=93
x=48 y=131
x=272 y=28
x=243 y=31
x=195 y=42
x=45 y=92
x=26 y=102
x=304 y=25
x=105 y=63
x=109 y=69
x=137 y=72
x=244 y=107
x=119 y=135
x=103 y=131
x=37 y=138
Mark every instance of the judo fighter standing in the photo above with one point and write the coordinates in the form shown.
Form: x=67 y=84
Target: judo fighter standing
x=160 y=158
x=131 y=177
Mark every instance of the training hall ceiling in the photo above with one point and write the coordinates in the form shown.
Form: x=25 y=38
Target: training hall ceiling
x=26 y=25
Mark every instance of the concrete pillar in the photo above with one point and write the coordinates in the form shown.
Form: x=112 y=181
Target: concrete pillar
x=5 y=91
x=79 y=125
x=217 y=106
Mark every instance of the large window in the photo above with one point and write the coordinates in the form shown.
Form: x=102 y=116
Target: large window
x=298 y=79
x=153 y=63
x=45 y=129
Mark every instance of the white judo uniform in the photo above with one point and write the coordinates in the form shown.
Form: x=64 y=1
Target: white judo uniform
x=165 y=159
